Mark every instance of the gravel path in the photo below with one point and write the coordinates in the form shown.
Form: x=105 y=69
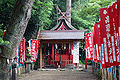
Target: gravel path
x=58 y=75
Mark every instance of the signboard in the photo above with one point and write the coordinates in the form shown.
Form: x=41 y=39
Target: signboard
x=75 y=52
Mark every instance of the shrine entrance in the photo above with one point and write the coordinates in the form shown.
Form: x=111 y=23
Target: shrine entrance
x=57 y=55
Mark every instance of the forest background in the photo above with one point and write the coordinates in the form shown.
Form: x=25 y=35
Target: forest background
x=44 y=15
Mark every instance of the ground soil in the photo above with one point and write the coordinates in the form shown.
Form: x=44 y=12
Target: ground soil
x=58 y=75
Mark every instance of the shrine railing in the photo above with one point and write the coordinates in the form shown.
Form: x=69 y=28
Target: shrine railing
x=63 y=61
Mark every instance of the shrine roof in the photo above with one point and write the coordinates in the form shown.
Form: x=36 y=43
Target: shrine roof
x=61 y=35
x=66 y=23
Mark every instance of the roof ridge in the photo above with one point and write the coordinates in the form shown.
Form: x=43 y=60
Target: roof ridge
x=58 y=25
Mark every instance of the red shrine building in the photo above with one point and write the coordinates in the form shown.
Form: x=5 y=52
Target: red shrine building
x=60 y=45
x=57 y=44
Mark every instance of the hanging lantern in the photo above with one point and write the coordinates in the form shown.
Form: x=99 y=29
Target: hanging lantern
x=64 y=46
x=56 y=46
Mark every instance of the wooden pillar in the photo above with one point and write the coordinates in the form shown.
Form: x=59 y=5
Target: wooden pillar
x=85 y=63
x=43 y=62
x=40 y=55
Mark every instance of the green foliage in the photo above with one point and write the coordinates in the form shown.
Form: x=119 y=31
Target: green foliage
x=83 y=62
x=40 y=17
x=86 y=13
x=6 y=8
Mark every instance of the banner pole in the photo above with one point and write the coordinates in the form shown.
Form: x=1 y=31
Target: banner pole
x=105 y=71
x=85 y=64
x=101 y=70
x=108 y=70
x=92 y=67
x=111 y=73
x=119 y=71
x=114 y=73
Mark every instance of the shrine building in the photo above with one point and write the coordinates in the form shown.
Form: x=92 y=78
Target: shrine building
x=60 y=45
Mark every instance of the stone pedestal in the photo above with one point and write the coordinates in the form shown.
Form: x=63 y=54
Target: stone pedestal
x=28 y=67
x=28 y=64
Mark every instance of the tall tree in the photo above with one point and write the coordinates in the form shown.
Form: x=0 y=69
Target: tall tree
x=14 y=34
x=68 y=9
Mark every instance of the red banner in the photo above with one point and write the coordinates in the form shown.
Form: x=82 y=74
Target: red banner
x=97 y=40
x=106 y=37
x=22 y=51
x=34 y=49
x=86 y=47
x=109 y=25
x=115 y=29
x=89 y=46
x=105 y=30
x=118 y=26
x=112 y=53
x=94 y=46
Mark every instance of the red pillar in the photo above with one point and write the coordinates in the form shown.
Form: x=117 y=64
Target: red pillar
x=53 y=51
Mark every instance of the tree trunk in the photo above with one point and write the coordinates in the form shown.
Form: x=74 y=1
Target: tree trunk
x=68 y=9
x=14 y=34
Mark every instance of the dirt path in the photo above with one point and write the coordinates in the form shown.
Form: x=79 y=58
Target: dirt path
x=58 y=75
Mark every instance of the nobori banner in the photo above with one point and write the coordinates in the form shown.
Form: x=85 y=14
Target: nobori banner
x=114 y=33
x=89 y=46
x=22 y=49
x=106 y=41
x=34 y=49
x=87 y=52
x=97 y=41
x=109 y=35
x=114 y=20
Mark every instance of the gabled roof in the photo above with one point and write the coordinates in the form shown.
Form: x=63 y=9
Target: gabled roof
x=61 y=35
x=62 y=31
x=66 y=24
